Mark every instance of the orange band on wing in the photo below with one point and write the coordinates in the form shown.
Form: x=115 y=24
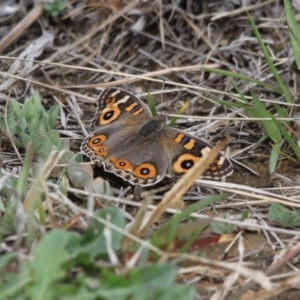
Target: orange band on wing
x=139 y=111
x=131 y=106
x=145 y=171
x=179 y=138
x=190 y=145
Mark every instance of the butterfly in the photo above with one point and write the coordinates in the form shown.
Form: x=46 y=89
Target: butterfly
x=140 y=148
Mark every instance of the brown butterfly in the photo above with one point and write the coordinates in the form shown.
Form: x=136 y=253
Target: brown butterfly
x=139 y=148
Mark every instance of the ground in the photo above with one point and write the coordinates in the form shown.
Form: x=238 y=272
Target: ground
x=202 y=54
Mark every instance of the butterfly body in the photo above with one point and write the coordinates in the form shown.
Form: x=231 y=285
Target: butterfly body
x=141 y=149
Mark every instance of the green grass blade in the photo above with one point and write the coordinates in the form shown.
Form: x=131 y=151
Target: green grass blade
x=243 y=98
x=284 y=90
x=22 y=181
x=293 y=30
x=151 y=105
x=288 y=138
x=271 y=127
x=168 y=231
x=274 y=157
x=232 y=104
x=243 y=77
x=244 y=103
x=181 y=111
x=193 y=238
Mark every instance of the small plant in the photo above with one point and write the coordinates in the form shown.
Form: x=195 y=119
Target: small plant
x=31 y=129
x=64 y=268
x=55 y=8
x=31 y=123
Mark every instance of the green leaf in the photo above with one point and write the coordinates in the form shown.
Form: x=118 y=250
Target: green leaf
x=73 y=245
x=29 y=111
x=19 y=130
x=7 y=222
x=36 y=101
x=295 y=219
x=6 y=259
x=44 y=122
x=278 y=213
x=284 y=216
x=13 y=286
x=2 y=125
x=41 y=145
x=34 y=126
x=32 y=108
x=15 y=105
x=176 y=292
x=23 y=124
x=145 y=283
x=222 y=227
x=245 y=215
x=54 y=139
x=11 y=122
x=76 y=291
x=52 y=117
x=94 y=240
x=55 y=8
x=25 y=139
x=47 y=267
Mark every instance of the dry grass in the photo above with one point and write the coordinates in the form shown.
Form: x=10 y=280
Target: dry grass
x=160 y=47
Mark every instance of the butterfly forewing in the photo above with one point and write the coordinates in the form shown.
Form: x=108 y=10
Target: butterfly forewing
x=118 y=107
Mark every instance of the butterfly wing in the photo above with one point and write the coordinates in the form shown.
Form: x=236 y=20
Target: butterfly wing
x=124 y=152
x=116 y=106
x=183 y=150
